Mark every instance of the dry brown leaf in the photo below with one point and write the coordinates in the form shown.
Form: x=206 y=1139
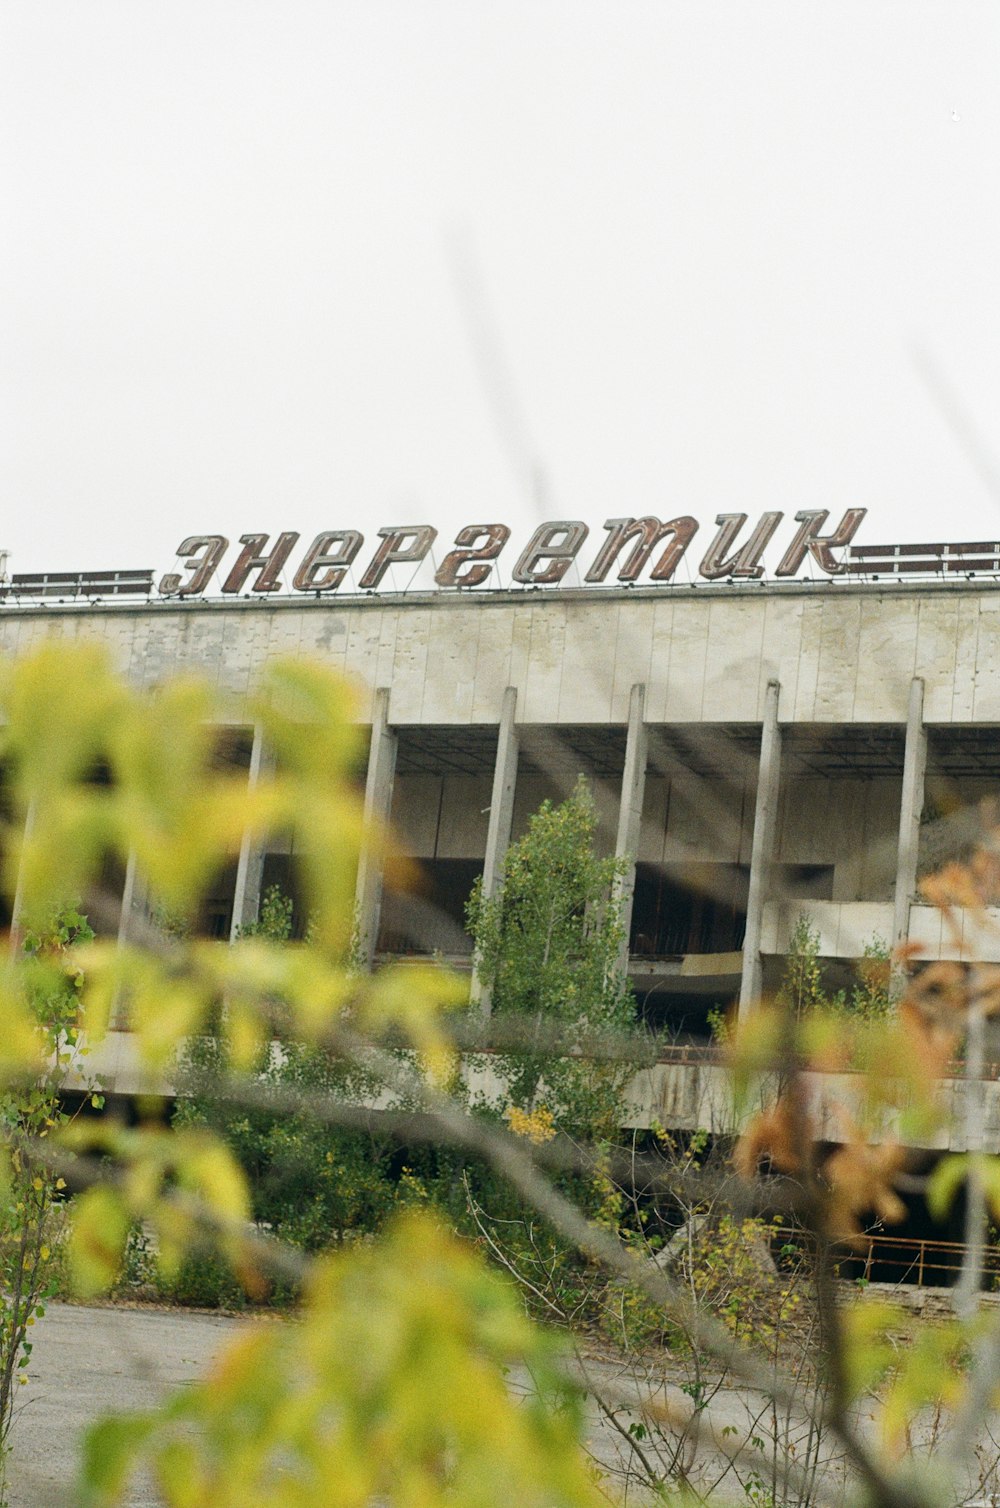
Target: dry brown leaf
x=861 y=1177
x=771 y=1133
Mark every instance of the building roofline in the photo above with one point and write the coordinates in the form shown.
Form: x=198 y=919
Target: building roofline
x=444 y=598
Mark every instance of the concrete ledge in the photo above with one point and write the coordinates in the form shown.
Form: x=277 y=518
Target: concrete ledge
x=689 y=1096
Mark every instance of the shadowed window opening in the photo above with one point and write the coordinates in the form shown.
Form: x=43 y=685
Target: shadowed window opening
x=681 y=909
x=431 y=919
x=215 y=916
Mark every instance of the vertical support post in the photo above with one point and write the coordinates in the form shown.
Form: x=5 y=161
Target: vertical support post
x=133 y=899
x=910 y=809
x=378 y=802
x=630 y=814
x=250 y=865
x=501 y=821
x=17 y=905
x=134 y=903
x=762 y=853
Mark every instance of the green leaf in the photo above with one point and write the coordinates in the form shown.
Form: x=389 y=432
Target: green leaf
x=953 y=1171
x=944 y=1183
x=110 y=1451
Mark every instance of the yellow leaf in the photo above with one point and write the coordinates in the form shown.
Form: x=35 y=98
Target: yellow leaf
x=97 y=1240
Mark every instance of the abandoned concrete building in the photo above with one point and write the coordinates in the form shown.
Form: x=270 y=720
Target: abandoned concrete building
x=757 y=751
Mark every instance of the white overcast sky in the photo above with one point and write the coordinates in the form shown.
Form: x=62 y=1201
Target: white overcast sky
x=305 y=266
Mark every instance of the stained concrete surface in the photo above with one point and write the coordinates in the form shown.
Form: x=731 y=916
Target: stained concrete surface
x=89 y=1362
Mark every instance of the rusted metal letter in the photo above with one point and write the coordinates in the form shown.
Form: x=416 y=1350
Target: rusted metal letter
x=557 y=543
x=333 y=565
x=404 y=545
x=819 y=547
x=647 y=533
x=496 y=536
x=685 y=528
x=252 y=558
x=744 y=562
x=203 y=553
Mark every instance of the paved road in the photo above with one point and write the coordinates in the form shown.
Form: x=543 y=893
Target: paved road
x=87 y=1362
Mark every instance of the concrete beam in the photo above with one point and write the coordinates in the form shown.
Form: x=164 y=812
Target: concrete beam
x=762 y=852
x=501 y=820
x=378 y=804
x=250 y=865
x=910 y=810
x=630 y=812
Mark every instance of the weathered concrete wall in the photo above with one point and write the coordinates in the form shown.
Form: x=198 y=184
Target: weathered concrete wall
x=442 y=816
x=842 y=653
x=698 y=1096
x=843 y=928
x=967 y=938
x=676 y=1096
x=851 y=824
x=697 y=818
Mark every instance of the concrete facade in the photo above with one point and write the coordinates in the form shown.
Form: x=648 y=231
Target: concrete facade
x=877 y=709
x=841 y=652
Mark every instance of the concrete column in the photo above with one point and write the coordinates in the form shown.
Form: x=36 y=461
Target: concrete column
x=762 y=853
x=501 y=820
x=911 y=808
x=630 y=812
x=17 y=905
x=135 y=902
x=250 y=865
x=378 y=802
x=133 y=899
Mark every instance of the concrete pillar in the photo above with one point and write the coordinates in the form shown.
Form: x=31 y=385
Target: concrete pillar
x=134 y=903
x=910 y=810
x=133 y=899
x=250 y=865
x=762 y=853
x=378 y=803
x=17 y=905
x=501 y=820
x=630 y=812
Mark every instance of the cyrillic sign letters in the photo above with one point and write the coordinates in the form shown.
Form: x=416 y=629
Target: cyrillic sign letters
x=632 y=547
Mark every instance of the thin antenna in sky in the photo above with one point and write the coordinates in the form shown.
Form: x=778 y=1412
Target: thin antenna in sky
x=495 y=372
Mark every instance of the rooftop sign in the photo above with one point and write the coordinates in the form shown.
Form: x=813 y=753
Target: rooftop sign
x=632 y=549
x=631 y=546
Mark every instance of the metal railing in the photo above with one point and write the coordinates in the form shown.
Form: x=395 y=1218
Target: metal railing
x=73 y=584
x=690 y=1054
x=695 y=1053
x=935 y=559
x=913 y=1261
